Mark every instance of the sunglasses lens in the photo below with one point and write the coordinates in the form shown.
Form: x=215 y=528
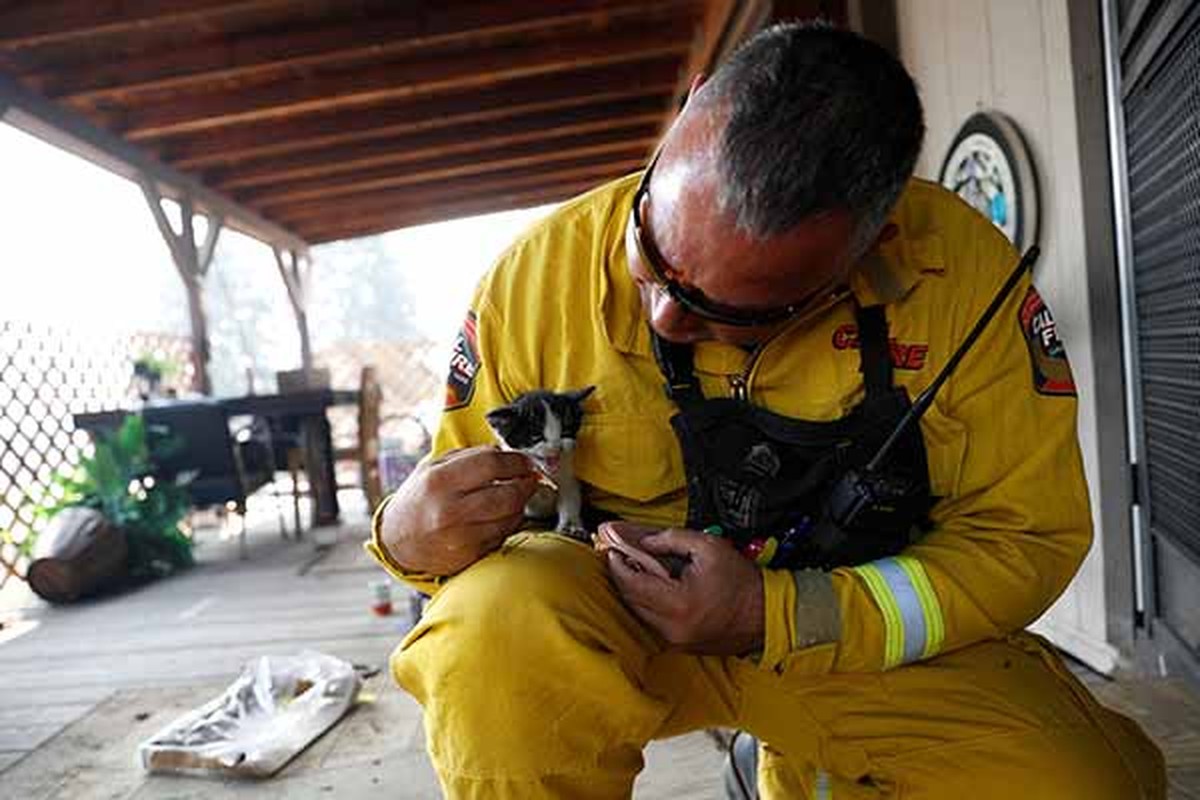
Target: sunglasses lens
x=693 y=301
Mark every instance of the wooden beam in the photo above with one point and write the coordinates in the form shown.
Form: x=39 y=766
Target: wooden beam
x=209 y=248
x=191 y=263
x=391 y=32
x=722 y=27
x=296 y=271
x=67 y=130
x=530 y=195
x=475 y=138
x=833 y=11
x=638 y=141
x=595 y=170
x=503 y=101
x=381 y=82
x=876 y=20
x=385 y=222
x=725 y=24
x=31 y=24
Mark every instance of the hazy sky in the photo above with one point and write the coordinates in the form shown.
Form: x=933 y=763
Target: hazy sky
x=80 y=248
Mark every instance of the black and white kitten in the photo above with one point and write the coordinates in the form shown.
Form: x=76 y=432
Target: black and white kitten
x=544 y=425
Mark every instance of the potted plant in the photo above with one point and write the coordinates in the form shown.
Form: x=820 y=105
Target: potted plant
x=149 y=372
x=116 y=489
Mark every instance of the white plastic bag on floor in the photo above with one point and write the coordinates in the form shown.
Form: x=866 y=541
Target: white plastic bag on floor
x=274 y=709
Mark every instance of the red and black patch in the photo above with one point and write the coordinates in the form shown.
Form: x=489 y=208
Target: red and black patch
x=1051 y=372
x=904 y=356
x=464 y=366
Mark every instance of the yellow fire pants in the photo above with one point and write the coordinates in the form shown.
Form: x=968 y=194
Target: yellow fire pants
x=537 y=682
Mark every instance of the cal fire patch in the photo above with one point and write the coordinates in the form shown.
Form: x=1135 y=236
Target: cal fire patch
x=464 y=365
x=1051 y=372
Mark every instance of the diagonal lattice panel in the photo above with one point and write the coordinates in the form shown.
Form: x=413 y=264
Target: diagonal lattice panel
x=46 y=374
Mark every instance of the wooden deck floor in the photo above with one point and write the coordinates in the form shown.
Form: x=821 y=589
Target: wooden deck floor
x=81 y=685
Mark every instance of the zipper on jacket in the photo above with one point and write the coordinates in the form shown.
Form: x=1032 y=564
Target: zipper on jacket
x=739 y=384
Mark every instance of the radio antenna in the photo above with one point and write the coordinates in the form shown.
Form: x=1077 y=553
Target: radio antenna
x=925 y=398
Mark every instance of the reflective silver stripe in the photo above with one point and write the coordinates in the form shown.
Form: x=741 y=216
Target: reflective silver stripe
x=823 y=787
x=909 y=604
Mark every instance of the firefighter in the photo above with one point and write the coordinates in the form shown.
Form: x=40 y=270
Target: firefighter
x=781 y=273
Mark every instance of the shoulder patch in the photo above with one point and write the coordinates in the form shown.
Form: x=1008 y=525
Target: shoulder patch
x=464 y=365
x=1047 y=356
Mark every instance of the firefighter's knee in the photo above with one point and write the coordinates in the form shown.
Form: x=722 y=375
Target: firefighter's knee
x=529 y=646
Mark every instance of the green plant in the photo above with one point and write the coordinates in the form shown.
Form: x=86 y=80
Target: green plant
x=148 y=365
x=116 y=480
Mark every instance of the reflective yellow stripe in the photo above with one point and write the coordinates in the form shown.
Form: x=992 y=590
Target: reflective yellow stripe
x=893 y=626
x=912 y=617
x=935 y=626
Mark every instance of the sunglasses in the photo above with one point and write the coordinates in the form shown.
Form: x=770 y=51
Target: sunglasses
x=693 y=300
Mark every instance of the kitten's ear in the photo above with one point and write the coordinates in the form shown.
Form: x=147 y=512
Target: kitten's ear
x=579 y=395
x=501 y=417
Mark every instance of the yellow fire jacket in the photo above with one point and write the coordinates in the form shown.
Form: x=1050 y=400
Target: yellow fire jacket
x=560 y=311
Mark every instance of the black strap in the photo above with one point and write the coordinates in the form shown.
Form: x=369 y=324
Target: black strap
x=876 y=358
x=875 y=361
x=675 y=363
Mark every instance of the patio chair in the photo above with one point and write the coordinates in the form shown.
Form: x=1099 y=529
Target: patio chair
x=228 y=467
x=364 y=452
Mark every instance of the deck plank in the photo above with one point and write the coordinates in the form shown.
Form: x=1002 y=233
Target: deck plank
x=88 y=682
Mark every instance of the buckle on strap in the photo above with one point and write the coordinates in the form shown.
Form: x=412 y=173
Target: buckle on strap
x=675 y=363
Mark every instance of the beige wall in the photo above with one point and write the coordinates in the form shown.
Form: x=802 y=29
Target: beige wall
x=1015 y=56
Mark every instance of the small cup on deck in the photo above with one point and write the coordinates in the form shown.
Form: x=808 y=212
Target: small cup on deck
x=381 y=597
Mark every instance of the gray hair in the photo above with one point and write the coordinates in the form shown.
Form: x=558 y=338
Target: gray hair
x=819 y=119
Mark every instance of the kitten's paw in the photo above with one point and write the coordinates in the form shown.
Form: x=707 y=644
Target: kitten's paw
x=574 y=529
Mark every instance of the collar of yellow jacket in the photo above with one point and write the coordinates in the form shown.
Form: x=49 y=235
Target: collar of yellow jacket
x=885 y=275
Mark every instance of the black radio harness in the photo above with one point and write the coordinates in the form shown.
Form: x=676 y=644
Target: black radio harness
x=858 y=491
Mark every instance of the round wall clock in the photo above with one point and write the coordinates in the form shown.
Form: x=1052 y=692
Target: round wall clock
x=989 y=166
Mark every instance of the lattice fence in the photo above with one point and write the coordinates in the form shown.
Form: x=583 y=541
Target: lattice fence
x=411 y=374
x=47 y=374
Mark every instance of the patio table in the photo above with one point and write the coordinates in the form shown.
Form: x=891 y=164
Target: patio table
x=304 y=408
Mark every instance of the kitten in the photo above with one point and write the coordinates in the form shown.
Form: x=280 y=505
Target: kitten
x=544 y=425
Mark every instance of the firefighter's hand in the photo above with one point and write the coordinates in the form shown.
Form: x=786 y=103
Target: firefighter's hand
x=453 y=510
x=714 y=607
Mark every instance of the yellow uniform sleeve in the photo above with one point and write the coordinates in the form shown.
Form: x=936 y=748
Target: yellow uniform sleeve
x=472 y=389
x=1010 y=537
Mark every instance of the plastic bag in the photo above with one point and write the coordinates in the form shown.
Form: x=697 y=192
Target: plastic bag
x=275 y=708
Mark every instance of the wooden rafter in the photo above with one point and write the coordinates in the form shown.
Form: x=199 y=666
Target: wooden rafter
x=540 y=176
x=72 y=132
x=46 y=21
x=478 y=138
x=384 y=221
x=500 y=102
x=331 y=118
x=380 y=82
x=721 y=27
x=392 y=31
x=624 y=143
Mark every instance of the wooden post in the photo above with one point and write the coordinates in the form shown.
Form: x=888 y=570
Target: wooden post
x=192 y=263
x=295 y=270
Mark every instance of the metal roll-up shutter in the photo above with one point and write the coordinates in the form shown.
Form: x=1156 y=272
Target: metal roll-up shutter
x=1160 y=87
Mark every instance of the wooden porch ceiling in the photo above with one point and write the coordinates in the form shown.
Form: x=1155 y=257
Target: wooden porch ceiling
x=342 y=118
